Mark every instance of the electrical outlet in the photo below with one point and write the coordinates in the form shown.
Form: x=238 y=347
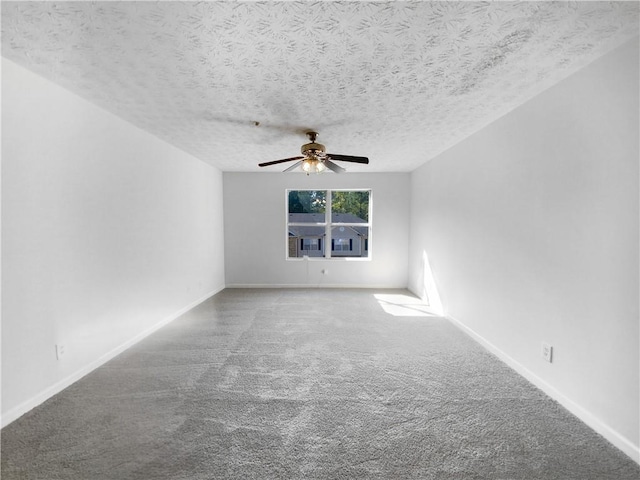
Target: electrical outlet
x=547 y=352
x=60 y=351
x=325 y=271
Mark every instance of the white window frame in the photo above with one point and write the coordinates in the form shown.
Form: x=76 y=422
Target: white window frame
x=328 y=225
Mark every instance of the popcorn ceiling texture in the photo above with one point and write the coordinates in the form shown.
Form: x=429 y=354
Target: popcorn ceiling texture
x=396 y=81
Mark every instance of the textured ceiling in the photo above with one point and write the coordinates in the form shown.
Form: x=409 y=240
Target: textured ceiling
x=398 y=82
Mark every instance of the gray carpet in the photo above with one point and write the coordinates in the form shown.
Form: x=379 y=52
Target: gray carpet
x=305 y=384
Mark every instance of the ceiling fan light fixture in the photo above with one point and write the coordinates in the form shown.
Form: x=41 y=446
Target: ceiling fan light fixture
x=313 y=165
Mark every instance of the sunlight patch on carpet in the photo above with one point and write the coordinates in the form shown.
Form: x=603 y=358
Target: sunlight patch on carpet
x=401 y=305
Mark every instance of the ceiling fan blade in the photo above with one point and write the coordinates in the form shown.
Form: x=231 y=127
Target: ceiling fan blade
x=347 y=158
x=334 y=167
x=266 y=164
x=293 y=167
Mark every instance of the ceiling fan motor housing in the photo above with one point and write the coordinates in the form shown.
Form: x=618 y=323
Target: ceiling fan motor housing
x=312 y=149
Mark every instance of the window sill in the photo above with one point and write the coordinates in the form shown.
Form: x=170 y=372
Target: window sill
x=332 y=259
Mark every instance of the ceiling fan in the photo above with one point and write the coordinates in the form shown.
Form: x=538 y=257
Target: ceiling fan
x=314 y=158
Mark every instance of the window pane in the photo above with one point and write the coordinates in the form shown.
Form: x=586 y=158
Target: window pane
x=306 y=241
x=349 y=241
x=350 y=207
x=307 y=206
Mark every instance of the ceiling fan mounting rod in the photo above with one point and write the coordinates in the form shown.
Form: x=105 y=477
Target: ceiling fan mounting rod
x=313 y=149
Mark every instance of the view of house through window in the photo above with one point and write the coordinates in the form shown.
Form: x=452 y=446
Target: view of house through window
x=328 y=223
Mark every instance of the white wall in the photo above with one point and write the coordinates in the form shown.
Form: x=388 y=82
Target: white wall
x=107 y=232
x=531 y=229
x=254 y=206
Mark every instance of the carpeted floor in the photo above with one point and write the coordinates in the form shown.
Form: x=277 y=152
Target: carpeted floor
x=306 y=384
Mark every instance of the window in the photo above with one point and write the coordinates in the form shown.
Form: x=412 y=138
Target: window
x=310 y=243
x=319 y=219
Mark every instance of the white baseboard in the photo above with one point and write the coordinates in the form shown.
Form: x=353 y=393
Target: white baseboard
x=314 y=285
x=49 y=392
x=619 y=441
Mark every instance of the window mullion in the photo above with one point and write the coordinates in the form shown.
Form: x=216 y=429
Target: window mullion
x=327 y=228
